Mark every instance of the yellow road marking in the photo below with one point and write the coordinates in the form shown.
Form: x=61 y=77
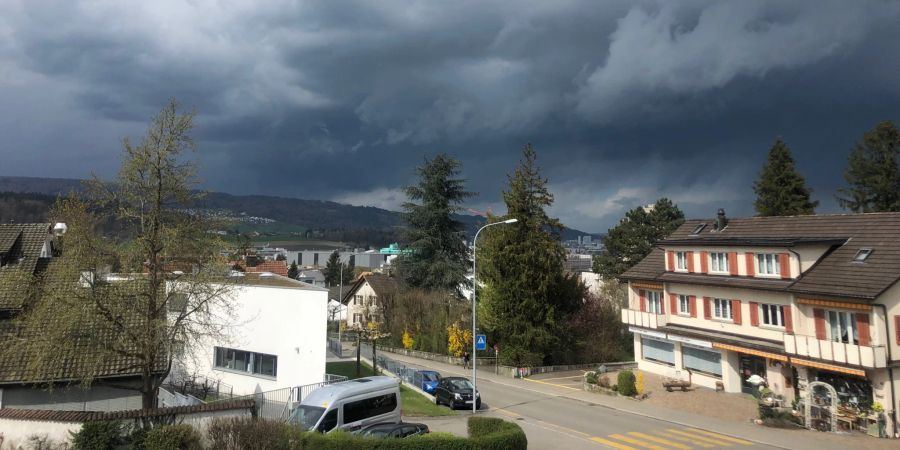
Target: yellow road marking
x=552 y=425
x=658 y=440
x=720 y=436
x=634 y=441
x=560 y=378
x=682 y=438
x=552 y=384
x=710 y=440
x=612 y=444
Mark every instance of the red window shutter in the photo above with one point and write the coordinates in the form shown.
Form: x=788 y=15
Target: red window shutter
x=748 y=258
x=690 y=261
x=704 y=262
x=785 y=260
x=707 y=310
x=788 y=320
x=692 y=300
x=862 y=324
x=736 y=311
x=732 y=263
x=643 y=300
x=673 y=304
x=819 y=316
x=670 y=261
x=897 y=328
x=754 y=314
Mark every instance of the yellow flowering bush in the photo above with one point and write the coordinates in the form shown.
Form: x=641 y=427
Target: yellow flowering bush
x=458 y=340
x=407 y=340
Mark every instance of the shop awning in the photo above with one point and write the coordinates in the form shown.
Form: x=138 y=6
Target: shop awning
x=834 y=304
x=828 y=367
x=750 y=351
x=646 y=285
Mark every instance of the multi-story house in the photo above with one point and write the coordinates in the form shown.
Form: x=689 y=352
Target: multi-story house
x=366 y=297
x=793 y=300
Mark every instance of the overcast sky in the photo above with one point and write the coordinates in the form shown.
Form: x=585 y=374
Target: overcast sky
x=624 y=102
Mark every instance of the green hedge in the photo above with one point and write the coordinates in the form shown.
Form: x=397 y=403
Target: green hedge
x=98 y=436
x=172 y=437
x=626 y=383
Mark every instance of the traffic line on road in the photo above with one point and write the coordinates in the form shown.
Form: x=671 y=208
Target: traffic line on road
x=685 y=439
x=612 y=444
x=552 y=384
x=720 y=436
x=560 y=378
x=660 y=440
x=637 y=442
x=708 y=440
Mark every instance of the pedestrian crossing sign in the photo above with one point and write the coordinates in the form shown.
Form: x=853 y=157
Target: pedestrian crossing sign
x=480 y=342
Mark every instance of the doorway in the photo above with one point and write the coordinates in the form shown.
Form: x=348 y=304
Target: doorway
x=751 y=365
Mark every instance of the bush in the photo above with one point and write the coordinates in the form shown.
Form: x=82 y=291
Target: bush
x=172 y=437
x=626 y=383
x=235 y=433
x=603 y=381
x=591 y=378
x=97 y=436
x=490 y=433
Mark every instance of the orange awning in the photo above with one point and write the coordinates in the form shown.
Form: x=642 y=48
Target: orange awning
x=645 y=285
x=834 y=304
x=829 y=367
x=749 y=351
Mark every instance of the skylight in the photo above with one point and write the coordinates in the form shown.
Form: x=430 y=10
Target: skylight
x=862 y=255
x=698 y=229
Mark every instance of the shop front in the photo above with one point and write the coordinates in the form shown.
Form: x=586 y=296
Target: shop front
x=856 y=403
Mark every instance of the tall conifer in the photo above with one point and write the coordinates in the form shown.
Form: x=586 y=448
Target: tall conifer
x=780 y=189
x=873 y=172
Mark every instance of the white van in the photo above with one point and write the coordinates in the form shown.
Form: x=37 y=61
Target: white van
x=349 y=405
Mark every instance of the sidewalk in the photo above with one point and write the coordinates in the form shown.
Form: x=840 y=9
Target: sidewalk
x=788 y=439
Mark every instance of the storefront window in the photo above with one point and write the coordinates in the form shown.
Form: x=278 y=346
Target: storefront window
x=854 y=393
x=658 y=351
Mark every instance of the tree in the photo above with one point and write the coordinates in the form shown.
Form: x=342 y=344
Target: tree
x=526 y=299
x=293 y=271
x=332 y=271
x=349 y=269
x=437 y=257
x=632 y=239
x=873 y=172
x=146 y=320
x=780 y=189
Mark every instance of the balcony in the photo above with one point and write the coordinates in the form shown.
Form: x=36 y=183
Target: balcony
x=854 y=355
x=643 y=319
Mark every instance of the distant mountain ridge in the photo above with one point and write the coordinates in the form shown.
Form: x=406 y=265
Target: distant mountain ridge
x=315 y=214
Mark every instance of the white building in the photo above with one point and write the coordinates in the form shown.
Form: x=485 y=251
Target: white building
x=277 y=340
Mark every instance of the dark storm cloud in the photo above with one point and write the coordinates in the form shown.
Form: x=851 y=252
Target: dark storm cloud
x=625 y=101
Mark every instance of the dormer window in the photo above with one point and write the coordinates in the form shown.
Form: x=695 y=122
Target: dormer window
x=698 y=229
x=862 y=255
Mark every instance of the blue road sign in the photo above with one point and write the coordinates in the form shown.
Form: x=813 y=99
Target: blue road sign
x=480 y=342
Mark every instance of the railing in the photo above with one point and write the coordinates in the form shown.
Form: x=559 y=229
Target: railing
x=201 y=387
x=447 y=359
x=279 y=403
x=854 y=355
x=643 y=319
x=336 y=347
x=167 y=398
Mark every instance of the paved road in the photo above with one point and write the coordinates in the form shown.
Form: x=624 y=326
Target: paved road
x=555 y=421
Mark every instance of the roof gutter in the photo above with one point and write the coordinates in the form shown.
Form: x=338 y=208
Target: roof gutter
x=887 y=330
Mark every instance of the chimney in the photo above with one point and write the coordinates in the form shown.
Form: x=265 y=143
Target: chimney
x=721 y=220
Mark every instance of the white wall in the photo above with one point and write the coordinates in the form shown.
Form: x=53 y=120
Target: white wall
x=287 y=322
x=16 y=432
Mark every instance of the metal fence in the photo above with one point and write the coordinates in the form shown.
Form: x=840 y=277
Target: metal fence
x=279 y=403
x=201 y=387
x=337 y=347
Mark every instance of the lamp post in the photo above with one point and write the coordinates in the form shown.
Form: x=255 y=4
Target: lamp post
x=474 y=290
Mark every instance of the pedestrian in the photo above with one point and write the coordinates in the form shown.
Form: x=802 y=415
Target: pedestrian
x=466 y=360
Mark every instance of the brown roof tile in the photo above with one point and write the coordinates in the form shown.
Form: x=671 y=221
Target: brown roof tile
x=93 y=416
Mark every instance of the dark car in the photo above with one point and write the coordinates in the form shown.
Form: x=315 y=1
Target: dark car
x=456 y=392
x=393 y=430
x=430 y=380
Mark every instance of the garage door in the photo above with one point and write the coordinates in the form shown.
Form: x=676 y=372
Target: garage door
x=702 y=360
x=658 y=351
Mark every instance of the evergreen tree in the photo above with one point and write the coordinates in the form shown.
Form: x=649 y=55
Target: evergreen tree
x=632 y=239
x=438 y=257
x=293 y=271
x=526 y=300
x=780 y=189
x=332 y=271
x=349 y=269
x=873 y=172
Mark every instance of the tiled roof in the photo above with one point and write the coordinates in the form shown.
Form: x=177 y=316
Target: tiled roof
x=25 y=250
x=92 y=416
x=835 y=274
x=382 y=285
x=276 y=267
x=258 y=279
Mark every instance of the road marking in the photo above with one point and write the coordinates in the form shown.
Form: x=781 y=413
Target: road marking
x=720 y=436
x=634 y=441
x=659 y=440
x=682 y=438
x=612 y=444
x=708 y=440
x=552 y=384
x=559 y=378
x=514 y=415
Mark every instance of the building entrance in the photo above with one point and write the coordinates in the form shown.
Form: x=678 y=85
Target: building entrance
x=751 y=365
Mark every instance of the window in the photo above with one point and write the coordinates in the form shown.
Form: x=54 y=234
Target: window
x=244 y=361
x=328 y=422
x=862 y=255
x=357 y=318
x=681 y=261
x=719 y=262
x=369 y=407
x=772 y=315
x=700 y=360
x=684 y=305
x=658 y=351
x=654 y=302
x=177 y=302
x=767 y=264
x=698 y=229
x=722 y=309
x=840 y=325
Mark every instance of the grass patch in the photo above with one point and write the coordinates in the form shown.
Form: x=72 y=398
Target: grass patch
x=412 y=403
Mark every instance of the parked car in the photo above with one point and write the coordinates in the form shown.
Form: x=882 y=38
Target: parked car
x=393 y=430
x=456 y=392
x=430 y=380
x=349 y=405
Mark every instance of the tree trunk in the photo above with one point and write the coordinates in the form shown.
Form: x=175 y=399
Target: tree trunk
x=374 y=360
x=358 y=346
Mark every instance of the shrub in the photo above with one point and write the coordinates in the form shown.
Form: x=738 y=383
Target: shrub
x=490 y=433
x=97 y=436
x=626 y=383
x=237 y=433
x=603 y=381
x=591 y=378
x=639 y=383
x=172 y=437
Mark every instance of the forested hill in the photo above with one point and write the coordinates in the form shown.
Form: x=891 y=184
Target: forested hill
x=26 y=199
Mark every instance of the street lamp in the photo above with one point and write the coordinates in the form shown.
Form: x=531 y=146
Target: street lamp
x=474 y=290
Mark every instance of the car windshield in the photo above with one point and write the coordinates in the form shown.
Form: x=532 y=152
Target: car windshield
x=461 y=384
x=306 y=416
x=430 y=377
x=378 y=432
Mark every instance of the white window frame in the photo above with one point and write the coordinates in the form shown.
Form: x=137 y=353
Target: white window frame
x=721 y=309
x=837 y=327
x=684 y=305
x=768 y=264
x=681 y=262
x=771 y=315
x=718 y=262
x=357 y=317
x=654 y=302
